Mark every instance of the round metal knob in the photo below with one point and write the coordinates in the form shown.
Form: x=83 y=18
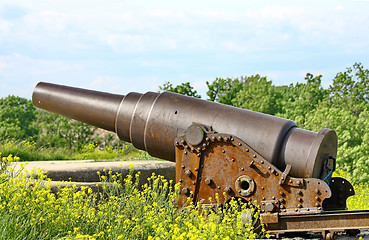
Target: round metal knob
x=194 y=135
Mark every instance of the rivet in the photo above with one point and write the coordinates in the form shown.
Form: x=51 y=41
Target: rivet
x=226 y=139
x=273 y=171
x=298 y=182
x=299 y=205
x=207 y=139
x=262 y=188
x=213 y=138
x=317 y=205
x=317 y=198
x=319 y=208
x=177 y=143
x=296 y=210
x=239 y=144
x=188 y=173
x=180 y=180
x=185 y=153
x=239 y=191
x=227 y=189
x=193 y=183
x=223 y=151
x=299 y=192
x=254 y=156
x=183 y=141
x=307 y=209
x=232 y=160
x=218 y=187
x=242 y=169
x=220 y=138
x=299 y=199
x=247 y=150
x=232 y=139
x=281 y=193
x=262 y=162
x=251 y=163
x=196 y=169
x=263 y=204
x=192 y=149
x=208 y=181
x=269 y=168
x=276 y=173
x=204 y=144
x=199 y=149
x=317 y=191
x=185 y=191
x=291 y=181
x=187 y=147
x=183 y=166
x=263 y=198
x=273 y=198
x=199 y=154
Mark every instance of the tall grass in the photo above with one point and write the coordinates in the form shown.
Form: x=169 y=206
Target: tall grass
x=28 y=151
x=121 y=210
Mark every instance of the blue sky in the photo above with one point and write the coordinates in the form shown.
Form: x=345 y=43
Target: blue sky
x=122 y=46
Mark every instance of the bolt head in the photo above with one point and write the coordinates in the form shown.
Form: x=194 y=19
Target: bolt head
x=208 y=181
x=269 y=207
x=185 y=191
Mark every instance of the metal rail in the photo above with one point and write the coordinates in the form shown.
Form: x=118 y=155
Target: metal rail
x=327 y=223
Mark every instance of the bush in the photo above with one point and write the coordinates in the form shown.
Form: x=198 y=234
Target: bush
x=29 y=210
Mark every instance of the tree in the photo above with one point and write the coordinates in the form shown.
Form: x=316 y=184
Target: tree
x=350 y=89
x=184 y=89
x=257 y=94
x=224 y=90
x=17 y=117
x=301 y=98
x=59 y=131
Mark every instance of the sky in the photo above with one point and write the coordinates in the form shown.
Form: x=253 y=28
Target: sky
x=121 y=46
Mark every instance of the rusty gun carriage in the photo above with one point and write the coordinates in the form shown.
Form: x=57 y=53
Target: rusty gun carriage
x=222 y=149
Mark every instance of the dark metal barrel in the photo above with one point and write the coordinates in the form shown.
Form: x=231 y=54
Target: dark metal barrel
x=152 y=121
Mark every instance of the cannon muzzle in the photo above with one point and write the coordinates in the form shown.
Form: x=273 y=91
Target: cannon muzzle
x=152 y=121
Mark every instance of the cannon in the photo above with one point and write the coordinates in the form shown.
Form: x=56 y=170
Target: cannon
x=224 y=151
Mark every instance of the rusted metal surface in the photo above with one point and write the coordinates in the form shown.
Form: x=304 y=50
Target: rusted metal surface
x=224 y=163
x=328 y=222
x=152 y=121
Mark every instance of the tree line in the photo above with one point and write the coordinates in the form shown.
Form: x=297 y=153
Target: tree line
x=343 y=106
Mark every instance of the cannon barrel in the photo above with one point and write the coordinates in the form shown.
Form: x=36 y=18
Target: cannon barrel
x=152 y=121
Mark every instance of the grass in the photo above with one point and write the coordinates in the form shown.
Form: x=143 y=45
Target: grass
x=28 y=210
x=28 y=151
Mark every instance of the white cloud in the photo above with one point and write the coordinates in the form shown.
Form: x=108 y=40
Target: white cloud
x=166 y=40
